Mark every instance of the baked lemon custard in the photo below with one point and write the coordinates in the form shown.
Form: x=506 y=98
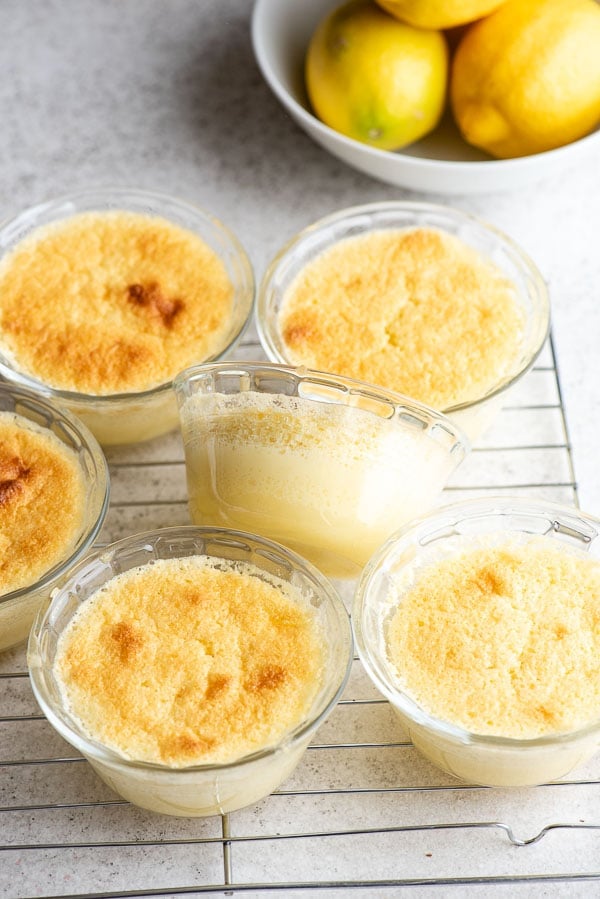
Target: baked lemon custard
x=42 y=501
x=111 y=302
x=191 y=661
x=414 y=310
x=502 y=640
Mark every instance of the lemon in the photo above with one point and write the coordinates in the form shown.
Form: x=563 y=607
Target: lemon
x=439 y=13
x=527 y=78
x=375 y=79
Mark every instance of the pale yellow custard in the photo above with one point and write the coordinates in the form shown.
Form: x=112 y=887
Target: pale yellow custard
x=111 y=302
x=414 y=310
x=42 y=505
x=502 y=640
x=330 y=480
x=191 y=661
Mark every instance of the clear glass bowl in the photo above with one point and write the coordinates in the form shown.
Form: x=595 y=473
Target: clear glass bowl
x=121 y=418
x=19 y=607
x=326 y=465
x=473 y=417
x=197 y=790
x=478 y=758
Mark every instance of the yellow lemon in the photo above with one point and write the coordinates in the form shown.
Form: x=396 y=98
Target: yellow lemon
x=375 y=79
x=527 y=78
x=439 y=13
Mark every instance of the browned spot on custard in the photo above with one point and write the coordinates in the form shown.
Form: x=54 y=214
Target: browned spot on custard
x=297 y=334
x=489 y=581
x=184 y=744
x=356 y=282
x=13 y=474
x=546 y=714
x=150 y=297
x=192 y=595
x=128 y=641
x=217 y=685
x=266 y=678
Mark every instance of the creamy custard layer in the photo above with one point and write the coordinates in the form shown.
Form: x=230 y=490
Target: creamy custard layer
x=332 y=481
x=413 y=310
x=110 y=302
x=190 y=661
x=42 y=501
x=502 y=640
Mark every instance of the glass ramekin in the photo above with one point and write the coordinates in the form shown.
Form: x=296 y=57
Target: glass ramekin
x=19 y=607
x=197 y=790
x=475 y=416
x=332 y=468
x=484 y=759
x=120 y=418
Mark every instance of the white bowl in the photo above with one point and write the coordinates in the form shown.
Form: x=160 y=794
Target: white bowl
x=441 y=162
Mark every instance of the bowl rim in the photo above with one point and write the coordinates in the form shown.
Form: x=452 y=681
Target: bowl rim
x=91 y=446
x=387 y=552
x=140 y=195
x=266 y=326
x=449 y=167
x=99 y=752
x=351 y=386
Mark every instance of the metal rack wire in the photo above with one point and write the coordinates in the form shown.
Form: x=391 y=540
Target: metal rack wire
x=362 y=813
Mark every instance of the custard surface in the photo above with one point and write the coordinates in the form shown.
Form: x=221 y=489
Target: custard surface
x=414 y=310
x=110 y=302
x=189 y=661
x=502 y=640
x=42 y=501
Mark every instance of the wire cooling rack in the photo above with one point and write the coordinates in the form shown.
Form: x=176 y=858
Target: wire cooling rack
x=363 y=813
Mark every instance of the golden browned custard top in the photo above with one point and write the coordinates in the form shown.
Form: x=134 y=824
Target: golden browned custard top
x=109 y=302
x=42 y=498
x=415 y=310
x=503 y=640
x=186 y=661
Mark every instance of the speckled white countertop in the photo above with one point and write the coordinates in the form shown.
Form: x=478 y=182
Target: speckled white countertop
x=167 y=96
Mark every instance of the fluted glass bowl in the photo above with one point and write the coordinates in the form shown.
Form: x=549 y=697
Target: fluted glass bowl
x=326 y=465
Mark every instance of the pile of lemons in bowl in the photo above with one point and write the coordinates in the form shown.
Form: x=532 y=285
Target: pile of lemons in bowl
x=520 y=76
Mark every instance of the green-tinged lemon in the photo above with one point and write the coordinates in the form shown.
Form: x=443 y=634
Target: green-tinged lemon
x=374 y=78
